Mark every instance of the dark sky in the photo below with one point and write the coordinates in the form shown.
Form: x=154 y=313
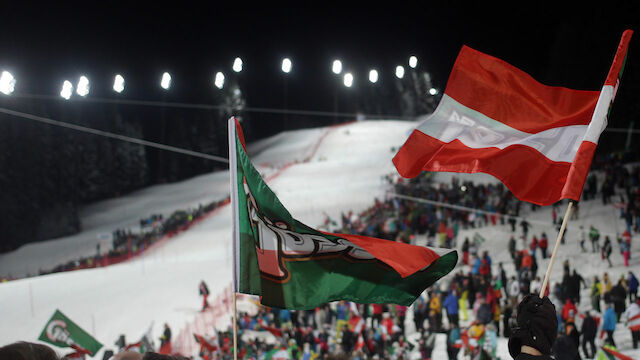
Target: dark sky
x=558 y=45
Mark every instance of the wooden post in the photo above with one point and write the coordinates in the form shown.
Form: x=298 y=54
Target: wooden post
x=555 y=249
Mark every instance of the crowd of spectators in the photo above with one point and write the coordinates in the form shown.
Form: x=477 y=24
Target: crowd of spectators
x=127 y=243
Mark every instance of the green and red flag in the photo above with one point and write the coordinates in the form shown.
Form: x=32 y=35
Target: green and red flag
x=291 y=265
x=62 y=332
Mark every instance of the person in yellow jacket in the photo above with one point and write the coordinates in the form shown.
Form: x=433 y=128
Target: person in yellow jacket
x=462 y=306
x=596 y=292
x=497 y=314
x=435 y=311
x=606 y=283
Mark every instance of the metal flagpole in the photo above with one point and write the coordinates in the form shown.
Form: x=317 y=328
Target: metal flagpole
x=555 y=249
x=233 y=172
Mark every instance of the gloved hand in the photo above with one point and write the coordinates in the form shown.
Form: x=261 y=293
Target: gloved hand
x=537 y=325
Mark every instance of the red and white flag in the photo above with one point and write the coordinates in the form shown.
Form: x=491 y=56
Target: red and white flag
x=494 y=118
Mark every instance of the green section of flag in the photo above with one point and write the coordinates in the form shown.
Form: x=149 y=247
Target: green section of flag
x=62 y=332
x=311 y=277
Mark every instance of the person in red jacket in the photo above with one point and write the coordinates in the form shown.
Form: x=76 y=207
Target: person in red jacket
x=534 y=245
x=542 y=244
x=566 y=310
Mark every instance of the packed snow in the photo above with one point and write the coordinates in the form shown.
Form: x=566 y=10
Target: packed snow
x=314 y=173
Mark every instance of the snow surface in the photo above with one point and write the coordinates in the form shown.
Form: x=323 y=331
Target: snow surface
x=326 y=170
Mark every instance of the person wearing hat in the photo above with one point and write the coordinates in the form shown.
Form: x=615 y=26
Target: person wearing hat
x=536 y=330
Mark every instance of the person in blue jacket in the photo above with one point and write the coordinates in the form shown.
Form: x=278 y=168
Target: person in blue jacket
x=609 y=323
x=632 y=282
x=476 y=265
x=451 y=304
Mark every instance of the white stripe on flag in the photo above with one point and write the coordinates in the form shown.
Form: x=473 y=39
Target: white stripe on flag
x=452 y=120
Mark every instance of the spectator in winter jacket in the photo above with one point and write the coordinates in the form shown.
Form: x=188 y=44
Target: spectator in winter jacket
x=534 y=245
x=618 y=297
x=204 y=291
x=567 y=308
x=596 y=292
x=609 y=323
x=594 y=236
x=632 y=283
x=632 y=319
x=542 y=244
x=589 y=331
x=477 y=262
x=451 y=305
x=452 y=337
x=484 y=314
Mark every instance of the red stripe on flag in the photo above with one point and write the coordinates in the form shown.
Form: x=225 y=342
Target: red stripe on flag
x=509 y=95
x=617 y=354
x=405 y=259
x=526 y=172
x=618 y=60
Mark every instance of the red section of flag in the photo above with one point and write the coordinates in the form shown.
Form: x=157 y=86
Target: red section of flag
x=509 y=95
x=618 y=61
x=273 y=330
x=527 y=173
x=616 y=354
x=405 y=259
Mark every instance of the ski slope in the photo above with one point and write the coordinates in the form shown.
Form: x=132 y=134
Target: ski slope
x=313 y=172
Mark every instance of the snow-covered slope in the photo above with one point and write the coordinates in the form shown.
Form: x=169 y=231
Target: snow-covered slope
x=326 y=170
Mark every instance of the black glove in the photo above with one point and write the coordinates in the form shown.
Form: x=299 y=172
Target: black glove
x=537 y=325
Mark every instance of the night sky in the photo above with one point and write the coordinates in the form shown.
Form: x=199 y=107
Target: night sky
x=557 y=45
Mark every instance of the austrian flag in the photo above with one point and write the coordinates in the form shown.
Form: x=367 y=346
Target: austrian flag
x=293 y=266
x=494 y=118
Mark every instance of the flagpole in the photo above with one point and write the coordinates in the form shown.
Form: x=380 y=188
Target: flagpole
x=233 y=179
x=235 y=328
x=555 y=249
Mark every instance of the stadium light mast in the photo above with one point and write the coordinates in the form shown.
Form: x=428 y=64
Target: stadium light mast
x=118 y=83
x=413 y=62
x=82 y=88
x=286 y=65
x=237 y=65
x=165 y=83
x=67 y=90
x=7 y=83
x=219 y=80
x=336 y=67
x=348 y=80
x=373 y=76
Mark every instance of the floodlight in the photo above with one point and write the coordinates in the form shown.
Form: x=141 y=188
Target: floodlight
x=166 y=81
x=373 y=76
x=82 y=88
x=413 y=62
x=399 y=72
x=337 y=67
x=118 y=83
x=433 y=91
x=348 y=80
x=237 y=65
x=67 y=90
x=219 y=80
x=7 y=83
x=286 y=65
